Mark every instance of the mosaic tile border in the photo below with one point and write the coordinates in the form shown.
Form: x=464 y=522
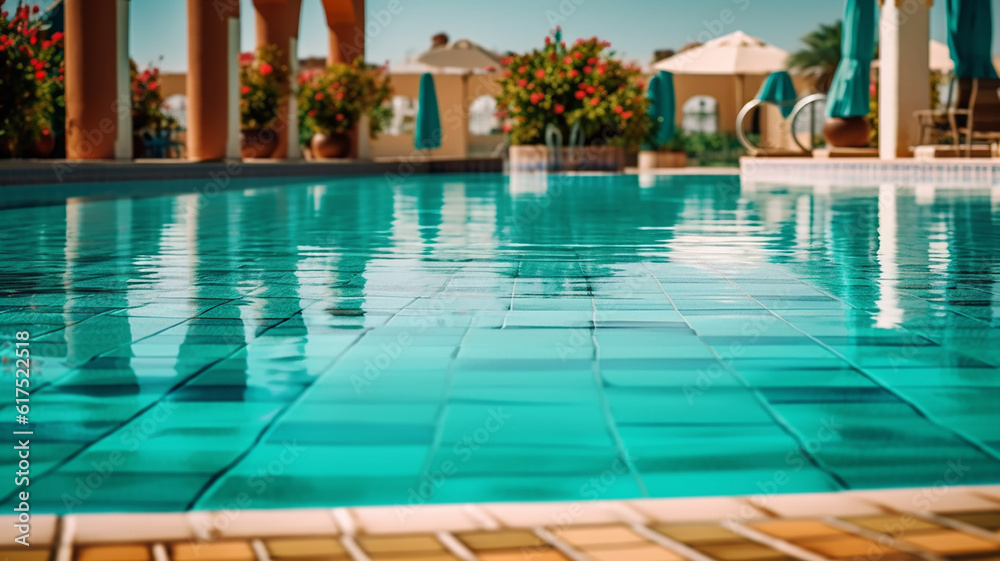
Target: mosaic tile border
x=923 y=524
x=944 y=172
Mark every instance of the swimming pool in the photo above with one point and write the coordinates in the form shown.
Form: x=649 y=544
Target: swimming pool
x=490 y=338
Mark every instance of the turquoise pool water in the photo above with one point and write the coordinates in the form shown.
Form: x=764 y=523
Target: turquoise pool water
x=484 y=338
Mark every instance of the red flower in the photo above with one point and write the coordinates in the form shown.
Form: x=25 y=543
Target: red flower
x=506 y=73
x=548 y=41
x=540 y=74
x=619 y=109
x=340 y=95
x=522 y=69
x=626 y=114
x=507 y=127
x=506 y=60
x=594 y=101
x=312 y=113
x=587 y=69
x=536 y=97
x=559 y=109
x=57 y=36
x=577 y=55
x=33 y=40
x=340 y=117
x=491 y=68
x=318 y=96
x=266 y=69
x=581 y=94
x=522 y=82
x=245 y=90
x=46 y=132
x=574 y=73
x=591 y=89
x=592 y=60
x=34 y=9
x=568 y=61
x=40 y=75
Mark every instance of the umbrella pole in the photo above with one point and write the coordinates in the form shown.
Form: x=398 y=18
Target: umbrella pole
x=465 y=115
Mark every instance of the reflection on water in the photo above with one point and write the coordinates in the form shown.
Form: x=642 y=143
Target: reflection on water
x=378 y=323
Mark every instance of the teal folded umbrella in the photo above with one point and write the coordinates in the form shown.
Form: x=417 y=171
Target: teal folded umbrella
x=970 y=38
x=428 y=133
x=779 y=90
x=849 y=91
x=662 y=108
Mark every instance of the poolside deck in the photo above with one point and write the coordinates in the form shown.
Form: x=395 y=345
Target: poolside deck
x=944 y=523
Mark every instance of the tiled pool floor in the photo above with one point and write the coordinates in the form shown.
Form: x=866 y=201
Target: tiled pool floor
x=471 y=338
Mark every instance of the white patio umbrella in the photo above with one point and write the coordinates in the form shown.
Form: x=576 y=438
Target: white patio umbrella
x=729 y=55
x=736 y=54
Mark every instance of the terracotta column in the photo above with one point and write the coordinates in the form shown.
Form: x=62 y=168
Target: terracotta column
x=213 y=30
x=277 y=23
x=92 y=107
x=345 y=20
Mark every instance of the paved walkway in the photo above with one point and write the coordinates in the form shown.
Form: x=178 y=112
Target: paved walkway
x=931 y=524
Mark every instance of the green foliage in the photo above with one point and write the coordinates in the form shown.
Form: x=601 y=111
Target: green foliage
x=334 y=99
x=263 y=83
x=31 y=79
x=147 y=101
x=564 y=86
x=821 y=54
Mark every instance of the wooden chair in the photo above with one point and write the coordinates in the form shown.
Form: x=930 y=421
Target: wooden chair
x=976 y=112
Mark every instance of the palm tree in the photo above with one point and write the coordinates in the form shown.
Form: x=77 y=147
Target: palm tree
x=821 y=54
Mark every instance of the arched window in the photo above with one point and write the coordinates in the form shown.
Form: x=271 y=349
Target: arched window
x=482 y=116
x=404 y=116
x=701 y=114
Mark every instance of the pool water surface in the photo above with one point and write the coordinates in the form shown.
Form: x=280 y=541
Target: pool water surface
x=490 y=338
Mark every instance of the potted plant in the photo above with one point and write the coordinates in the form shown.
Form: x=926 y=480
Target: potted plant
x=573 y=107
x=148 y=119
x=333 y=101
x=672 y=154
x=31 y=83
x=263 y=86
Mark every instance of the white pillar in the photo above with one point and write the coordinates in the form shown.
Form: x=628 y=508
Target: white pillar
x=233 y=84
x=904 y=75
x=294 y=150
x=123 y=140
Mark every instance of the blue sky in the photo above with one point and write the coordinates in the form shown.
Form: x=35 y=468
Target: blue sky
x=635 y=27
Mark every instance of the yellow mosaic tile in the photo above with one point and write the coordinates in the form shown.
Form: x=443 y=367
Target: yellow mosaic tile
x=951 y=543
x=892 y=524
x=599 y=535
x=217 y=551
x=742 y=551
x=399 y=544
x=844 y=546
x=292 y=548
x=25 y=554
x=696 y=533
x=500 y=539
x=796 y=529
x=634 y=553
x=114 y=553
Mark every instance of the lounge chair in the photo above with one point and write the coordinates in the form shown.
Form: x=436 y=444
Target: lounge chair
x=975 y=114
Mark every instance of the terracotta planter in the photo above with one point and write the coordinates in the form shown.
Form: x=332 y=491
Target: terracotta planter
x=138 y=146
x=334 y=145
x=257 y=143
x=585 y=158
x=42 y=147
x=852 y=132
x=649 y=159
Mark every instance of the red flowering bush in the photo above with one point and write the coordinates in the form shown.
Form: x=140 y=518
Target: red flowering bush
x=334 y=99
x=31 y=78
x=147 y=100
x=263 y=83
x=567 y=85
